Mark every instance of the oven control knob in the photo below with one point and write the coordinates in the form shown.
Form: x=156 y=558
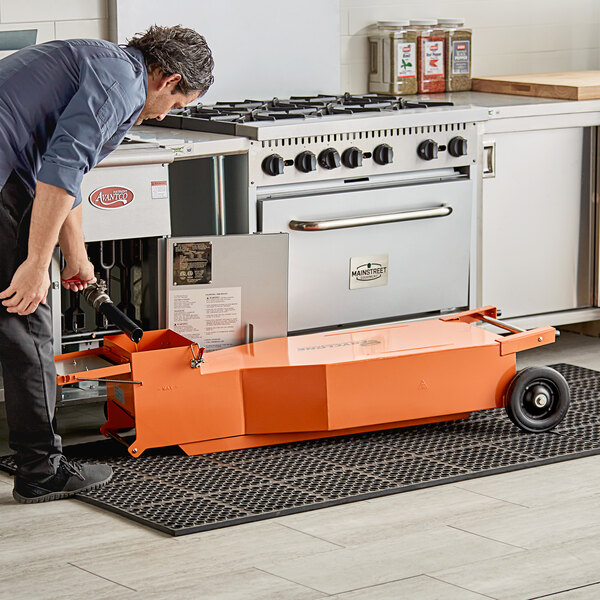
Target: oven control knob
x=428 y=150
x=352 y=158
x=457 y=146
x=329 y=158
x=273 y=165
x=306 y=162
x=383 y=154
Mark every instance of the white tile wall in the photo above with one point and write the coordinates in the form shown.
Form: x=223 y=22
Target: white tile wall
x=56 y=19
x=509 y=36
x=51 y=10
x=45 y=30
x=87 y=28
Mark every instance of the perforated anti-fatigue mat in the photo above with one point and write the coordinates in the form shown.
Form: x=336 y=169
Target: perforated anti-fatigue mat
x=181 y=494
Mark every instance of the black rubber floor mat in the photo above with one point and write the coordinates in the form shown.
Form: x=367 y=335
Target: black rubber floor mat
x=180 y=494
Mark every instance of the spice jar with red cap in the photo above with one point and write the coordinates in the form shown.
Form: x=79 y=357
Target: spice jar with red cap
x=430 y=56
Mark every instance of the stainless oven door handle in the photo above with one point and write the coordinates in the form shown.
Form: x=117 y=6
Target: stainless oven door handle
x=406 y=215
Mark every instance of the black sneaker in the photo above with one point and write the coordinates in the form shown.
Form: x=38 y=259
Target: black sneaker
x=70 y=478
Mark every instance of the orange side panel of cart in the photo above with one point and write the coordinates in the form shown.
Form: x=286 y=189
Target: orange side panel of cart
x=282 y=399
x=383 y=390
x=173 y=403
x=176 y=404
x=417 y=386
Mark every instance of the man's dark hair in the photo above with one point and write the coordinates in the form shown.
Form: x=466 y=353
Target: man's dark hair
x=177 y=50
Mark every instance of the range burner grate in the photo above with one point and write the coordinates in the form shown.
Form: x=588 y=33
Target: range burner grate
x=301 y=107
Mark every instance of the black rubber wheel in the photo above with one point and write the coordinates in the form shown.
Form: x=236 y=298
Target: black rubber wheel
x=537 y=399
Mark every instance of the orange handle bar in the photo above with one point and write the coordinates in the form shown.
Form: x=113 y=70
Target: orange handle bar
x=518 y=340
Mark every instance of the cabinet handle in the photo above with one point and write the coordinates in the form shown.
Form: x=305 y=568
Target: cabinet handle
x=489 y=159
x=219 y=193
x=406 y=215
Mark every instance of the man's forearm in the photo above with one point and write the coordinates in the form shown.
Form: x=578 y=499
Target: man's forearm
x=51 y=207
x=78 y=271
x=70 y=237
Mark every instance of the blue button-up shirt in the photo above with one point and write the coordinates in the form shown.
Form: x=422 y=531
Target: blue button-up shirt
x=64 y=106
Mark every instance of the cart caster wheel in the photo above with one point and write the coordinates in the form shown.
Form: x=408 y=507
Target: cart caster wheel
x=537 y=399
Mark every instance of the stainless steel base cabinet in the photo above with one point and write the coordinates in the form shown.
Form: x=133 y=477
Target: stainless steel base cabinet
x=537 y=221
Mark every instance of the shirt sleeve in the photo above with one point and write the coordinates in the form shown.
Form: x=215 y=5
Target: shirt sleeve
x=92 y=116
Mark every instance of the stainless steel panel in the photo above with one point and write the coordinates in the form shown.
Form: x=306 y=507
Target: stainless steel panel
x=258 y=264
x=54 y=299
x=403 y=140
x=137 y=153
x=82 y=363
x=209 y=196
x=146 y=216
x=359 y=122
x=428 y=259
x=538 y=227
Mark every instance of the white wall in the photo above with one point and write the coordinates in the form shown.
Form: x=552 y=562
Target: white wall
x=56 y=19
x=509 y=36
x=262 y=48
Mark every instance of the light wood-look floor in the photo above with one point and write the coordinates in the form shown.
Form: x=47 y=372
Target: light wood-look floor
x=528 y=534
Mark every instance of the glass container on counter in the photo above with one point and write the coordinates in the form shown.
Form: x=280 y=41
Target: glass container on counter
x=393 y=58
x=430 y=56
x=457 y=63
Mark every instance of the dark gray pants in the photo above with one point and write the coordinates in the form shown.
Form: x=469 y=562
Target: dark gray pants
x=26 y=352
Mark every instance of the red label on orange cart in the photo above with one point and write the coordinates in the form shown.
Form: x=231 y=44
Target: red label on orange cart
x=111 y=197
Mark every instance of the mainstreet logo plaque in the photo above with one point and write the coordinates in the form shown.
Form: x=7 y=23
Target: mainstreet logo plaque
x=368 y=271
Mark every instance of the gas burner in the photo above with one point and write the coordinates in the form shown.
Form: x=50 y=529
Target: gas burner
x=301 y=107
x=245 y=105
x=358 y=107
x=367 y=99
x=277 y=116
x=424 y=103
x=319 y=98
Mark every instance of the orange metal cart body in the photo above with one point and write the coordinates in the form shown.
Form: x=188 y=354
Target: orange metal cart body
x=304 y=387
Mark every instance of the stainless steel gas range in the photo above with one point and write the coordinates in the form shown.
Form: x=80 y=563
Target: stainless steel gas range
x=377 y=195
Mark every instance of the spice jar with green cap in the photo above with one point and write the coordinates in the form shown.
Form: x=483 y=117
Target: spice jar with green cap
x=458 y=53
x=393 y=58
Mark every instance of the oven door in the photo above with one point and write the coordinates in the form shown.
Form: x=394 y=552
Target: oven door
x=377 y=253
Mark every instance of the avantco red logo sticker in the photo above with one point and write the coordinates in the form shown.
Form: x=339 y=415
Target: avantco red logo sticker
x=111 y=197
